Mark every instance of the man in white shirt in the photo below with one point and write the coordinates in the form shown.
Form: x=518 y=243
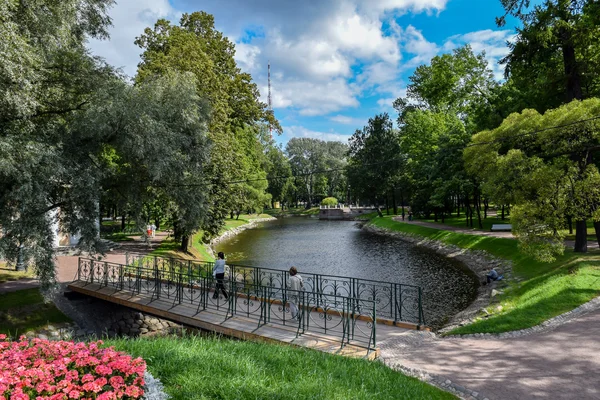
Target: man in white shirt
x=296 y=284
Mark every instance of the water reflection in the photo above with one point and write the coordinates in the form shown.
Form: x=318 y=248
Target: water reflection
x=341 y=248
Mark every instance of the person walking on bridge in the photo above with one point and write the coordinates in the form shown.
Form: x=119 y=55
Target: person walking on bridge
x=219 y=274
x=295 y=286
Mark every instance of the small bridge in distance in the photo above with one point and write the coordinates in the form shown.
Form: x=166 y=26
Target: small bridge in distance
x=340 y=315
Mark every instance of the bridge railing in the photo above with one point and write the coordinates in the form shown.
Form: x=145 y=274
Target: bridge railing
x=395 y=301
x=350 y=319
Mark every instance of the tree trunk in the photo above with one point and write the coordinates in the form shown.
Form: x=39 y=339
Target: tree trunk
x=570 y=63
x=435 y=215
x=185 y=243
x=486 y=205
x=394 y=201
x=157 y=223
x=230 y=214
x=570 y=224
x=387 y=203
x=458 y=206
x=123 y=222
x=237 y=215
x=443 y=215
x=580 y=237
x=402 y=203
x=597 y=229
x=477 y=200
x=502 y=212
x=379 y=212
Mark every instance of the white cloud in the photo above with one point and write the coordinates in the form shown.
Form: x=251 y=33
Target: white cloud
x=130 y=18
x=345 y=120
x=300 y=131
x=490 y=41
x=246 y=55
x=415 y=43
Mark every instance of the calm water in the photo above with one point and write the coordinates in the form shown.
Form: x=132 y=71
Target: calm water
x=341 y=248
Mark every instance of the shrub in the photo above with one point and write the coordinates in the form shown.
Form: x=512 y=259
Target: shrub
x=329 y=201
x=47 y=370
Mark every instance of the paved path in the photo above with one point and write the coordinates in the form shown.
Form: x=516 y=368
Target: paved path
x=560 y=364
x=592 y=244
x=66 y=266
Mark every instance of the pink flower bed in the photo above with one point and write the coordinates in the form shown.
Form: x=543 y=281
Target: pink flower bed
x=45 y=370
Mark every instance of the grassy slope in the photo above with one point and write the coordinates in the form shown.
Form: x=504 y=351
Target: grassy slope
x=12 y=275
x=198 y=250
x=293 y=211
x=545 y=290
x=212 y=368
x=25 y=310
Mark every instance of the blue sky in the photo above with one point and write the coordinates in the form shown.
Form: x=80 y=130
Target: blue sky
x=334 y=63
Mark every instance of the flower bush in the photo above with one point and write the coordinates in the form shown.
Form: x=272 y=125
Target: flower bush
x=45 y=370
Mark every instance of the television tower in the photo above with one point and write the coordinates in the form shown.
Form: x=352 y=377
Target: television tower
x=270 y=100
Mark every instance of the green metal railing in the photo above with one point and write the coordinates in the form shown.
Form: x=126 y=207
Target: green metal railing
x=395 y=301
x=351 y=320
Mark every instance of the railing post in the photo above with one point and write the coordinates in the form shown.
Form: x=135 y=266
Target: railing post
x=105 y=274
x=374 y=327
x=91 y=271
x=121 y=277
x=395 y=302
x=126 y=258
x=79 y=268
x=179 y=288
x=157 y=282
x=138 y=279
x=421 y=319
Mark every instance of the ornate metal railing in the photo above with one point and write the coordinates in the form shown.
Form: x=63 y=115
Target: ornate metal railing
x=350 y=319
x=395 y=301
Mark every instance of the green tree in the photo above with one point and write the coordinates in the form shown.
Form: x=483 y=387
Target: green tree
x=555 y=55
x=306 y=157
x=544 y=164
x=279 y=174
x=196 y=46
x=375 y=159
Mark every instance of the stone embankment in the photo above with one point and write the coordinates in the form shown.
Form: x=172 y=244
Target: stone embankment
x=479 y=262
x=234 y=231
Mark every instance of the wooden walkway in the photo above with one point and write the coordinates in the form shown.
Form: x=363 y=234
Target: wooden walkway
x=217 y=320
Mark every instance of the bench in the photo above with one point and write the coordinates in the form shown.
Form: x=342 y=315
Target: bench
x=501 y=227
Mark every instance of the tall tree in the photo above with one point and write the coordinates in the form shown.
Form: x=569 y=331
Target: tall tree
x=555 y=55
x=375 y=159
x=307 y=158
x=196 y=46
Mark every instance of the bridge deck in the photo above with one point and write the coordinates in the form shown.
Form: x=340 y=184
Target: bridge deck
x=215 y=319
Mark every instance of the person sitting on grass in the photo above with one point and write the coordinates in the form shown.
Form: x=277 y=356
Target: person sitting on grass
x=493 y=276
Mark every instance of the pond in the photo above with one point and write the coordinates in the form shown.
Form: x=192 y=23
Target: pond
x=342 y=248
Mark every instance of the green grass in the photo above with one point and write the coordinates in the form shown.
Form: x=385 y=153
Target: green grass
x=198 y=250
x=25 y=310
x=461 y=222
x=121 y=237
x=545 y=290
x=12 y=275
x=213 y=368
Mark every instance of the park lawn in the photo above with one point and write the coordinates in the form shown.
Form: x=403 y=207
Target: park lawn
x=461 y=222
x=12 y=275
x=539 y=292
x=198 y=250
x=25 y=310
x=197 y=367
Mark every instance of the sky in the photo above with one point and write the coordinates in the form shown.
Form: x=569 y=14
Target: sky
x=334 y=63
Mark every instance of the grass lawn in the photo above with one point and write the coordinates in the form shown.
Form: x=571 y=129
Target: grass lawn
x=25 y=310
x=545 y=290
x=12 y=275
x=199 y=250
x=216 y=368
x=461 y=222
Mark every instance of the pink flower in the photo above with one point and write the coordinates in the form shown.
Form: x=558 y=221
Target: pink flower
x=117 y=381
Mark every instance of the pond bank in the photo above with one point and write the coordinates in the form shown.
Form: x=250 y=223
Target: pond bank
x=479 y=262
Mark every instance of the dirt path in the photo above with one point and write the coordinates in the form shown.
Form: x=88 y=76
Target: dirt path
x=560 y=364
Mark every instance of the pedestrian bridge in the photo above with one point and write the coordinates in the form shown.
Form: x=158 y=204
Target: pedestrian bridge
x=340 y=315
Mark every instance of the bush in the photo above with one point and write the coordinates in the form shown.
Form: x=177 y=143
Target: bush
x=329 y=201
x=43 y=369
